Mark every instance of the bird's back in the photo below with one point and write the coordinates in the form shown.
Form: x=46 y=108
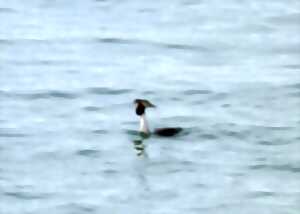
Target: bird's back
x=167 y=132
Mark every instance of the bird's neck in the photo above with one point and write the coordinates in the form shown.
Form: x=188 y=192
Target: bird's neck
x=144 y=124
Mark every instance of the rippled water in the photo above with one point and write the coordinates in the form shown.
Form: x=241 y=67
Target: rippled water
x=226 y=72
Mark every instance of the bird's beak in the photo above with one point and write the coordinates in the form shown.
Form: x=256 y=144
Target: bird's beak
x=150 y=105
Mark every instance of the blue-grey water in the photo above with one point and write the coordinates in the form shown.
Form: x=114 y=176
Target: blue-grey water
x=225 y=71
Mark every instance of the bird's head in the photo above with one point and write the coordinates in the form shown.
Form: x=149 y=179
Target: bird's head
x=141 y=105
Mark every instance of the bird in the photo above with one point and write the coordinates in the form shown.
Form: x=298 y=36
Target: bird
x=140 y=110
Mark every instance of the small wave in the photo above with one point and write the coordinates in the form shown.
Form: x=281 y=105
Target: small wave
x=208 y=136
x=41 y=62
x=292 y=49
x=108 y=91
x=283 y=167
x=26 y=195
x=176 y=46
x=292 y=66
x=294 y=94
x=288 y=19
x=275 y=142
x=258 y=194
x=110 y=171
x=99 y=131
x=294 y=86
x=6 y=42
x=88 y=153
x=225 y=105
x=7 y=133
x=183 y=47
x=115 y=40
x=7 y=10
x=265 y=142
x=76 y=208
x=62 y=94
x=148 y=92
x=40 y=95
x=235 y=134
x=12 y=135
x=195 y=92
x=92 y=108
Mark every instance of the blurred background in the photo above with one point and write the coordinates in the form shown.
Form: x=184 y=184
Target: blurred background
x=227 y=72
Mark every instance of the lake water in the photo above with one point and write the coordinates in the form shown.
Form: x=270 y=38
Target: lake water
x=227 y=72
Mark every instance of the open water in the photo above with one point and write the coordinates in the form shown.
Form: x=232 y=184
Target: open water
x=225 y=71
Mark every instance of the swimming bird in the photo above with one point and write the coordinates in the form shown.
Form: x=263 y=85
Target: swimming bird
x=140 y=110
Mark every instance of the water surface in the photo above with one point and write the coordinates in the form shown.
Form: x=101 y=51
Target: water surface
x=226 y=72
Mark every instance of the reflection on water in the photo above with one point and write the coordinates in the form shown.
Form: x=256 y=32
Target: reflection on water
x=138 y=142
x=139 y=147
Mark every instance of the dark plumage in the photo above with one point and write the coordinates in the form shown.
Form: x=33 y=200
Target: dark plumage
x=167 y=132
x=140 y=109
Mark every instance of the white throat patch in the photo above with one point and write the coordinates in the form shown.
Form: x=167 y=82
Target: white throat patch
x=144 y=124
